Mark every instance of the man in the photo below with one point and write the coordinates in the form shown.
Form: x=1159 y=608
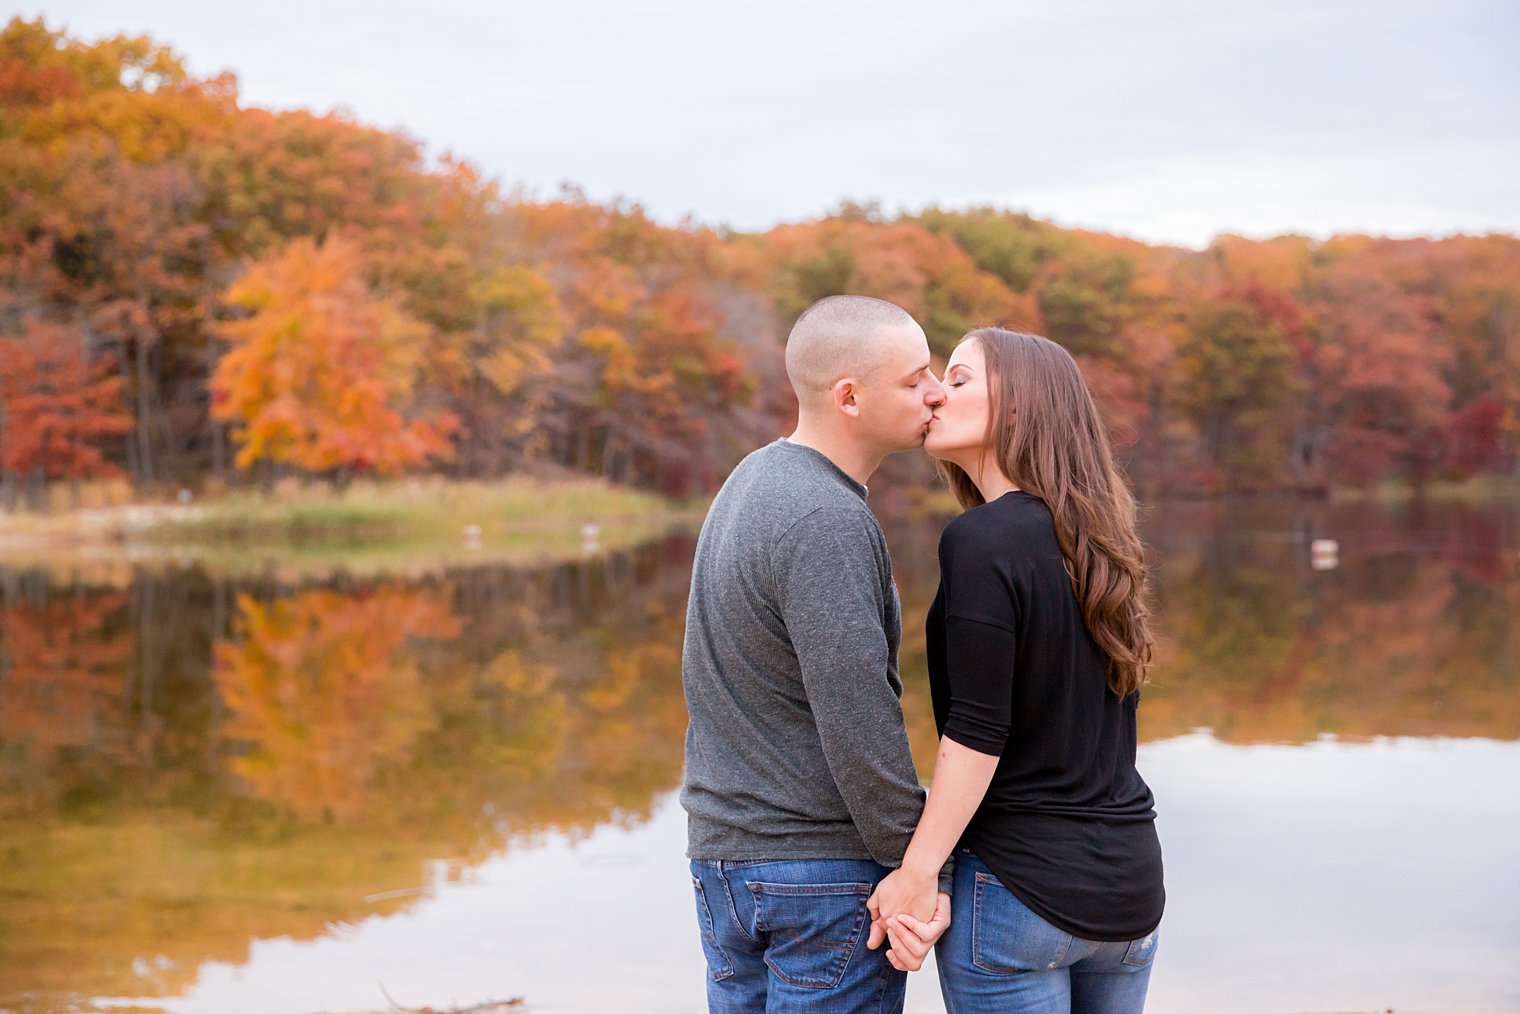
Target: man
x=800 y=790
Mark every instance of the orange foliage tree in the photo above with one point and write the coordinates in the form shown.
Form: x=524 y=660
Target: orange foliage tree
x=321 y=374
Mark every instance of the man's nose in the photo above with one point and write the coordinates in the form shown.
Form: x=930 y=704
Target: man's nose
x=934 y=393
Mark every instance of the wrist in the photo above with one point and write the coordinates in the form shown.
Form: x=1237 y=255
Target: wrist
x=921 y=867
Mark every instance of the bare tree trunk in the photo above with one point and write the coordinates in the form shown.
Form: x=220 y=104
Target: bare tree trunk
x=7 y=480
x=218 y=428
x=144 y=411
x=213 y=359
x=133 y=464
x=582 y=458
x=36 y=493
x=470 y=441
x=609 y=454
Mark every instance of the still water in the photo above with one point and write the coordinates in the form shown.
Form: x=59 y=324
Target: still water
x=290 y=795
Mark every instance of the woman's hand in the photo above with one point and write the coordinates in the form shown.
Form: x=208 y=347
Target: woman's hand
x=961 y=777
x=904 y=890
x=912 y=940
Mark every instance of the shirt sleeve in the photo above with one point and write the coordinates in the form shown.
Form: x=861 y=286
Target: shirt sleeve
x=981 y=617
x=829 y=578
x=979 y=664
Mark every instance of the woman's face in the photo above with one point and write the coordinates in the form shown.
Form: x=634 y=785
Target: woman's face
x=959 y=426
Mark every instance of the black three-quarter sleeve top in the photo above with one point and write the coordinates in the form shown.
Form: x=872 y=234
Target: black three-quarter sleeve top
x=1067 y=825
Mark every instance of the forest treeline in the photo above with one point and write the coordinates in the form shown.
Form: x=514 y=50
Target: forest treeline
x=191 y=287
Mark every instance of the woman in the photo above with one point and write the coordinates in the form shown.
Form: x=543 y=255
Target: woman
x=1038 y=644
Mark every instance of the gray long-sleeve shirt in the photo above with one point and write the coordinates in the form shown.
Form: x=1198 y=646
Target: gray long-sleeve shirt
x=796 y=747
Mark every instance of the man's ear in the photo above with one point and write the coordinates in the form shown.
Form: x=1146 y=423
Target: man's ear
x=843 y=396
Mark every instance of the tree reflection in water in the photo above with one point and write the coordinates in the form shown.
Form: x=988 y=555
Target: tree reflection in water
x=1415 y=633
x=189 y=764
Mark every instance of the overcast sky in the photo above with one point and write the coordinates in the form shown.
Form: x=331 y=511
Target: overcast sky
x=1170 y=120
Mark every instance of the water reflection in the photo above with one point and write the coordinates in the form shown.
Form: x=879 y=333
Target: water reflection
x=1415 y=633
x=190 y=764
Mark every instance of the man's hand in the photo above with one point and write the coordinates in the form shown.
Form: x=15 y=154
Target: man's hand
x=912 y=940
x=905 y=890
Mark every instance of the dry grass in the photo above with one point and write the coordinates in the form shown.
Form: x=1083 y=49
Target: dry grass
x=407 y=526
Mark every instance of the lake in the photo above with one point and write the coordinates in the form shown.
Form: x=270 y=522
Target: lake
x=286 y=794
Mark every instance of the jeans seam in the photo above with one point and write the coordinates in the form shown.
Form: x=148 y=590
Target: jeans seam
x=728 y=892
x=976 y=922
x=766 y=887
x=711 y=932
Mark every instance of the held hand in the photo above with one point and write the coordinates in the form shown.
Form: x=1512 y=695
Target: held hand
x=904 y=891
x=912 y=940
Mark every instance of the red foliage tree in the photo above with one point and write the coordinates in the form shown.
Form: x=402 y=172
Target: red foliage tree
x=59 y=407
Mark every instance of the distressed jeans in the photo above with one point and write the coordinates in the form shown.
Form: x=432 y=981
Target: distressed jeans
x=791 y=936
x=999 y=956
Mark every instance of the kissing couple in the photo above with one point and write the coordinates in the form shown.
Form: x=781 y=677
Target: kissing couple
x=822 y=872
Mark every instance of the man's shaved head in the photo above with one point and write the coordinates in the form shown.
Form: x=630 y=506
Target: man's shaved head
x=842 y=336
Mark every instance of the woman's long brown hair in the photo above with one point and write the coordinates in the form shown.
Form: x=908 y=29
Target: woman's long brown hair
x=1047 y=437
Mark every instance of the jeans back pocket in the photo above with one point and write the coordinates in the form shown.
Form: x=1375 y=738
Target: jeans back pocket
x=813 y=928
x=1007 y=938
x=1141 y=952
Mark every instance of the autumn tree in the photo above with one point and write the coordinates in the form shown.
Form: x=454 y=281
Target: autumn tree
x=1009 y=245
x=59 y=407
x=1474 y=301
x=505 y=367
x=1236 y=367
x=321 y=373
x=1378 y=400
x=644 y=386
x=1083 y=300
x=920 y=269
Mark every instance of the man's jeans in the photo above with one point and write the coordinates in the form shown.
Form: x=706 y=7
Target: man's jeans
x=998 y=955
x=791 y=936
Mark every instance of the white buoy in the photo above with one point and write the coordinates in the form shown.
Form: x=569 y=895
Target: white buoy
x=1324 y=554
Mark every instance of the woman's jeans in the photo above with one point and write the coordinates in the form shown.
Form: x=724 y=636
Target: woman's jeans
x=1000 y=956
x=791 y=936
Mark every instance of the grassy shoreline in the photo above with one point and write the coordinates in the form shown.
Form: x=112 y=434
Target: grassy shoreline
x=407 y=525
x=1479 y=489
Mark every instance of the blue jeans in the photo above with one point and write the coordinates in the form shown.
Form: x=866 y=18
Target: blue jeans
x=999 y=956
x=791 y=936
